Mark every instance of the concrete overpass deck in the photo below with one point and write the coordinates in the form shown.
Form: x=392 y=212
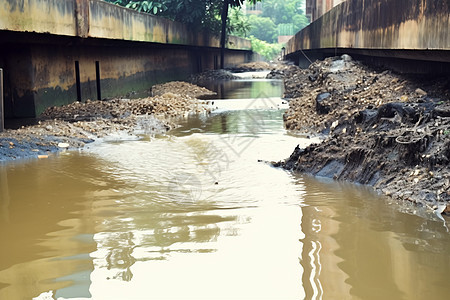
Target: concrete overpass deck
x=407 y=35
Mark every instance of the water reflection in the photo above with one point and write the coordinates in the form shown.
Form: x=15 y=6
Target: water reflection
x=251 y=122
x=39 y=205
x=245 y=88
x=5 y=198
x=355 y=244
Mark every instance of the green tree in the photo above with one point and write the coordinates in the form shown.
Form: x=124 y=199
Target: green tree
x=263 y=28
x=197 y=13
x=238 y=23
x=267 y=50
x=153 y=7
x=287 y=12
x=224 y=16
x=282 y=11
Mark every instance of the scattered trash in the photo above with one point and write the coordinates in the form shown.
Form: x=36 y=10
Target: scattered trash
x=63 y=145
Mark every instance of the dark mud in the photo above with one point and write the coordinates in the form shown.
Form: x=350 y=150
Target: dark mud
x=382 y=129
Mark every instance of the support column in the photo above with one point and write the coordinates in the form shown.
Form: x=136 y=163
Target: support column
x=82 y=17
x=2 y=109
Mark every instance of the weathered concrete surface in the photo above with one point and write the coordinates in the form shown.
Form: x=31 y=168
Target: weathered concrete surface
x=99 y=19
x=39 y=76
x=53 y=16
x=415 y=29
x=42 y=40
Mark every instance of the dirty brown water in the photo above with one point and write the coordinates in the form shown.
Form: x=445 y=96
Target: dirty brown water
x=194 y=215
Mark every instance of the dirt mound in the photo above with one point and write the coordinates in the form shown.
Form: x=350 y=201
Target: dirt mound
x=170 y=99
x=181 y=88
x=383 y=129
x=212 y=75
x=79 y=123
x=255 y=66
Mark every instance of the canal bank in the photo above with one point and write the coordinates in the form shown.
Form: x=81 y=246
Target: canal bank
x=383 y=129
x=156 y=111
x=75 y=125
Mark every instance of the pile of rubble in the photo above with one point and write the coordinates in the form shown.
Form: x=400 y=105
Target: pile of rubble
x=380 y=128
x=167 y=104
x=79 y=123
x=211 y=75
x=181 y=88
x=255 y=66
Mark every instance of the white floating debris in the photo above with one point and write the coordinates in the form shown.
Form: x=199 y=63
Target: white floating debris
x=63 y=145
x=334 y=124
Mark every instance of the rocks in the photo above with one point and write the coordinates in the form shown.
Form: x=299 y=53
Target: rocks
x=346 y=57
x=420 y=92
x=381 y=129
x=443 y=110
x=322 y=106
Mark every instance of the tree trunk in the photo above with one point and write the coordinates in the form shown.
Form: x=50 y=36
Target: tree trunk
x=223 y=33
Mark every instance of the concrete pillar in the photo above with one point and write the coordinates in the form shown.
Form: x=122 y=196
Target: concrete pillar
x=82 y=17
x=2 y=112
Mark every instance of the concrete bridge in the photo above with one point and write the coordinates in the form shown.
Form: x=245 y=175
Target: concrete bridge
x=407 y=35
x=54 y=52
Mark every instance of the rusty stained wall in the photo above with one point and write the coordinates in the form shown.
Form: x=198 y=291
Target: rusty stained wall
x=55 y=16
x=100 y=19
x=379 y=24
x=39 y=76
x=113 y=22
x=316 y=8
x=39 y=84
x=40 y=40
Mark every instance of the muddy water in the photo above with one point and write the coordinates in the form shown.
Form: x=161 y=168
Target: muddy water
x=194 y=215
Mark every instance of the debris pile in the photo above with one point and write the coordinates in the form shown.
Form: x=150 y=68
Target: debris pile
x=211 y=75
x=167 y=104
x=79 y=123
x=181 y=88
x=380 y=128
x=255 y=66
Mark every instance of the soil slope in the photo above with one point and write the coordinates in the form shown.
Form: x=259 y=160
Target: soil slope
x=382 y=129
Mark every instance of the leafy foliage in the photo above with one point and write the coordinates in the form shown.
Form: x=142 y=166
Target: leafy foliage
x=238 y=24
x=281 y=11
x=263 y=28
x=197 y=13
x=267 y=50
x=153 y=7
x=287 y=12
x=286 y=29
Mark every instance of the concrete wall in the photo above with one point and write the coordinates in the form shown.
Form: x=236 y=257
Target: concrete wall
x=403 y=27
x=100 y=19
x=52 y=16
x=317 y=8
x=41 y=41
